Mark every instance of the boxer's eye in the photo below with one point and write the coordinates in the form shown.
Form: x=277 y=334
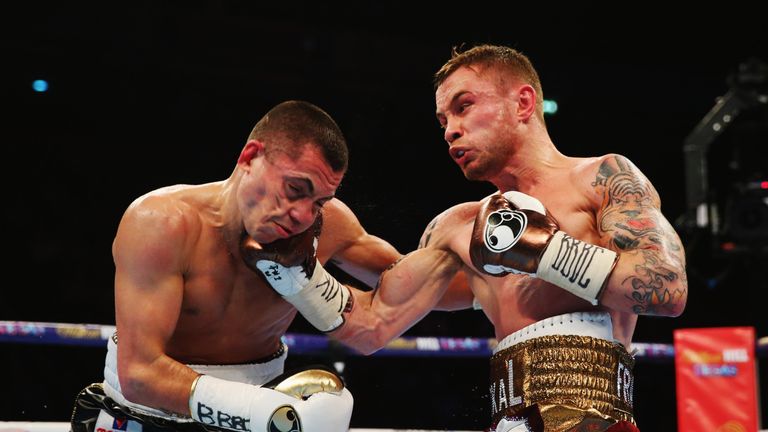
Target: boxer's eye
x=294 y=191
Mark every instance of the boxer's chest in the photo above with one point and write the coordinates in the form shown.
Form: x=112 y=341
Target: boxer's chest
x=227 y=308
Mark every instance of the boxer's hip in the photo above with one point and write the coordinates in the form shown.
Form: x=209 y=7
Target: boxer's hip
x=256 y=373
x=566 y=369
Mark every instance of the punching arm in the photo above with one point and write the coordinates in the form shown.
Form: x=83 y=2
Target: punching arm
x=291 y=268
x=406 y=292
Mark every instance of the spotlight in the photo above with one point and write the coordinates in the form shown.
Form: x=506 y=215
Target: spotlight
x=40 y=86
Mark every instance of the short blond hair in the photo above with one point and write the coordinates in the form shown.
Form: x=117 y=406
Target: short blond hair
x=507 y=61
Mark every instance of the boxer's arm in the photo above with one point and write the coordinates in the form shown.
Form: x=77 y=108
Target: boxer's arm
x=345 y=243
x=366 y=256
x=149 y=253
x=649 y=277
x=458 y=295
x=148 y=296
x=292 y=267
x=406 y=292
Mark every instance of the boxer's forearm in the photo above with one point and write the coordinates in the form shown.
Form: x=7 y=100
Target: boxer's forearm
x=407 y=292
x=647 y=282
x=163 y=384
x=366 y=259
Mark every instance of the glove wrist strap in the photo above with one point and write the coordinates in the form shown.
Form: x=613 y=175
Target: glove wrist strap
x=233 y=405
x=578 y=267
x=322 y=300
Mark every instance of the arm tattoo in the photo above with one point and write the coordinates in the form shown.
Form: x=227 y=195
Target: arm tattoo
x=390 y=267
x=602 y=175
x=631 y=218
x=650 y=290
x=427 y=236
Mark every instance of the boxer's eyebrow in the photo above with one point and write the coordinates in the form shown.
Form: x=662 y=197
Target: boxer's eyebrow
x=452 y=102
x=305 y=182
x=306 y=187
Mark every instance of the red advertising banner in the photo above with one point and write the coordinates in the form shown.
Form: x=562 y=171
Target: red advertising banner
x=716 y=380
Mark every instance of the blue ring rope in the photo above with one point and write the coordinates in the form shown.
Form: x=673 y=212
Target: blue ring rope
x=96 y=335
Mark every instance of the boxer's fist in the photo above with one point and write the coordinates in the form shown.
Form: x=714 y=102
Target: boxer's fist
x=295 y=254
x=514 y=234
x=510 y=234
x=290 y=267
x=312 y=400
x=306 y=382
x=324 y=404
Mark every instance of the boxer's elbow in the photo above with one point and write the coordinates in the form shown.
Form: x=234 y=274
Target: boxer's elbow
x=679 y=298
x=135 y=384
x=364 y=345
x=667 y=301
x=367 y=348
x=365 y=337
x=378 y=338
x=674 y=292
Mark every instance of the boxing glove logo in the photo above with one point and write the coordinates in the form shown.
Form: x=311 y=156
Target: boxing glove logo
x=503 y=228
x=284 y=419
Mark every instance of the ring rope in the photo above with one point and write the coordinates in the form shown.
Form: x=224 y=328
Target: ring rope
x=96 y=335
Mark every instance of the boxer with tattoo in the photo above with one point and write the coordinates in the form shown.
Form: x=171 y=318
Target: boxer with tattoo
x=562 y=259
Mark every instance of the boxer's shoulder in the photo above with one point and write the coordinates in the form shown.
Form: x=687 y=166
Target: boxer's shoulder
x=162 y=221
x=602 y=167
x=340 y=228
x=179 y=202
x=600 y=177
x=462 y=213
x=335 y=211
x=443 y=228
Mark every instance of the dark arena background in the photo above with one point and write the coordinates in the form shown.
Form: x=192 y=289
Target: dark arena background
x=146 y=94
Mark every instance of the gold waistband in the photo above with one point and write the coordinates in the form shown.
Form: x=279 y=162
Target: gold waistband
x=582 y=372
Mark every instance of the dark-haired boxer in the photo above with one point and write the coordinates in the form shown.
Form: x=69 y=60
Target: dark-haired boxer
x=562 y=263
x=199 y=331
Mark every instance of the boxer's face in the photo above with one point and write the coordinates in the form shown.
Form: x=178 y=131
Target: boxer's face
x=280 y=196
x=477 y=115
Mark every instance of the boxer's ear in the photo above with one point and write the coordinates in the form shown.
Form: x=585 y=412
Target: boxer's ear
x=253 y=149
x=526 y=102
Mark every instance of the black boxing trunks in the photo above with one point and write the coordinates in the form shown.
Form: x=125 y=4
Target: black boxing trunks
x=561 y=374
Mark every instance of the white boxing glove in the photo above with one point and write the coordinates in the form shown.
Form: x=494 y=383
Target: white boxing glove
x=313 y=400
x=291 y=268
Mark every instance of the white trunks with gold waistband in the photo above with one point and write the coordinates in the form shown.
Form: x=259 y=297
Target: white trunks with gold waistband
x=250 y=373
x=562 y=372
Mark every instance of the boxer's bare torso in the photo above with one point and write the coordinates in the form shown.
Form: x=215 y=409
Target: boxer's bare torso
x=515 y=301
